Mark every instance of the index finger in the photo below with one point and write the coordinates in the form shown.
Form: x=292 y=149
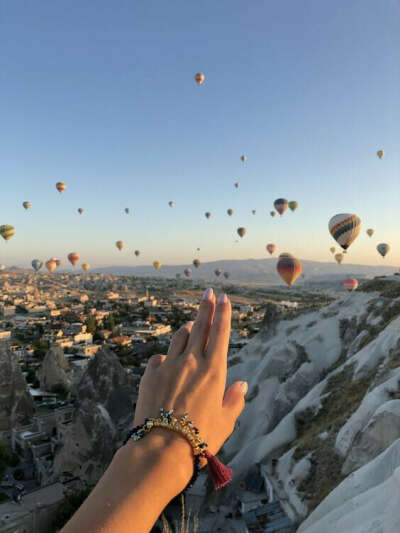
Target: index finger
x=218 y=345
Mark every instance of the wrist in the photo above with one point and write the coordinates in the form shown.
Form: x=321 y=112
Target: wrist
x=165 y=451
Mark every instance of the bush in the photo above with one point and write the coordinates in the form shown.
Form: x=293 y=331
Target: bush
x=19 y=474
x=3 y=497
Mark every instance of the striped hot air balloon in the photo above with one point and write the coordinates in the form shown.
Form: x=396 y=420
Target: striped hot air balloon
x=281 y=204
x=60 y=186
x=271 y=248
x=350 y=284
x=289 y=268
x=345 y=228
x=7 y=231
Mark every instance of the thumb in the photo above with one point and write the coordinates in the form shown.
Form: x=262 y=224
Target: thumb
x=233 y=402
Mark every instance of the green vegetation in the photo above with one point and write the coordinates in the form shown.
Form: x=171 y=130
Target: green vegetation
x=7 y=458
x=73 y=500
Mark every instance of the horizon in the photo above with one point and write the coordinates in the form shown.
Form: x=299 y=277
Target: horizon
x=103 y=98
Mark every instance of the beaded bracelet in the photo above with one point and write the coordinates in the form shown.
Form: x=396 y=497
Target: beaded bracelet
x=220 y=474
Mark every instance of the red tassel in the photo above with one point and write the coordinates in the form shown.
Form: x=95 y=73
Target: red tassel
x=220 y=474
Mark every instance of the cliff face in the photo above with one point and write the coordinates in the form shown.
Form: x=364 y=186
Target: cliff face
x=16 y=404
x=55 y=371
x=322 y=413
x=103 y=412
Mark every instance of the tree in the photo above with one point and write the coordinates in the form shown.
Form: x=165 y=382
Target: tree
x=91 y=325
x=73 y=500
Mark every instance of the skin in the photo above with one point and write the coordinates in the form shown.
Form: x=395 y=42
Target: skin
x=145 y=476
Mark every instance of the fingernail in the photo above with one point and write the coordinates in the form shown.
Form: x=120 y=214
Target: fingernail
x=222 y=299
x=244 y=386
x=208 y=294
x=189 y=324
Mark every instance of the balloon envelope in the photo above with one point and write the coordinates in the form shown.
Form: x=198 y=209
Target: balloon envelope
x=217 y=272
x=380 y=153
x=127 y=210
x=254 y=211
x=241 y=232
x=281 y=204
x=289 y=268
x=230 y=212
x=339 y=258
x=157 y=265
x=293 y=205
x=137 y=253
x=171 y=203
x=80 y=210
x=226 y=275
x=196 y=263
x=37 y=264
x=383 y=248
x=236 y=185
x=51 y=265
x=207 y=215
x=350 y=284
x=345 y=228
x=27 y=205
x=199 y=78
x=120 y=245
x=187 y=272
x=7 y=231
x=73 y=258
x=2 y=267
x=271 y=248
x=370 y=232
x=272 y=213
x=60 y=186
x=85 y=267
x=243 y=158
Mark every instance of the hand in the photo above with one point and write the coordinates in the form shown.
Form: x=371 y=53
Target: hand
x=192 y=377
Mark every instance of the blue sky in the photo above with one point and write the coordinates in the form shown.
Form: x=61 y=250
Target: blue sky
x=101 y=95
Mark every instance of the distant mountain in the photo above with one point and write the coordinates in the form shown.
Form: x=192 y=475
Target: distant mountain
x=255 y=270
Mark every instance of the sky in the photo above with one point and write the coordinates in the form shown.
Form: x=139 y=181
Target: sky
x=101 y=95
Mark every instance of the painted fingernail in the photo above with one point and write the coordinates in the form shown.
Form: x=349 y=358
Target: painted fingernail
x=244 y=386
x=208 y=294
x=223 y=299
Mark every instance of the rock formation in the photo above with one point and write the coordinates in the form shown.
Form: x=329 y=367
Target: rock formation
x=103 y=412
x=55 y=371
x=16 y=404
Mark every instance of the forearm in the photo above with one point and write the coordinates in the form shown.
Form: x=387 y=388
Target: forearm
x=141 y=480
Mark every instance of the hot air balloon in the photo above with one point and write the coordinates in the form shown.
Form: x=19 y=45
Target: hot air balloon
x=253 y=211
x=230 y=212
x=241 y=232
x=332 y=249
x=207 y=215
x=85 y=267
x=199 y=78
x=126 y=210
x=57 y=261
x=272 y=213
x=7 y=231
x=271 y=248
x=137 y=253
x=218 y=272
x=293 y=205
x=380 y=153
x=120 y=245
x=289 y=268
x=226 y=275
x=196 y=263
x=281 y=204
x=187 y=272
x=198 y=249
x=243 y=158
x=339 y=258
x=236 y=185
x=60 y=186
x=157 y=265
x=171 y=203
x=51 y=265
x=80 y=210
x=345 y=228
x=383 y=248
x=26 y=205
x=370 y=232
x=73 y=258
x=350 y=284
x=37 y=264
x=2 y=267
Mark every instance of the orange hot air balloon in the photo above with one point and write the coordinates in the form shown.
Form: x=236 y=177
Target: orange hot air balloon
x=60 y=186
x=120 y=245
x=350 y=284
x=272 y=213
x=339 y=258
x=85 y=267
x=271 y=248
x=289 y=268
x=73 y=258
x=51 y=265
x=199 y=78
x=380 y=153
